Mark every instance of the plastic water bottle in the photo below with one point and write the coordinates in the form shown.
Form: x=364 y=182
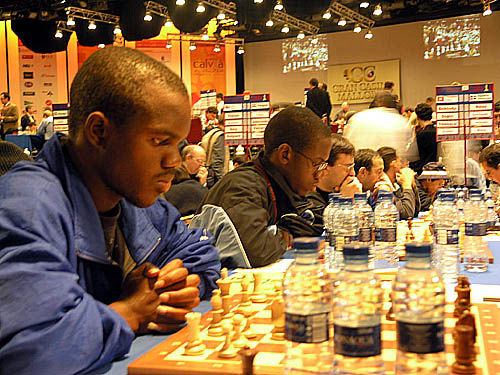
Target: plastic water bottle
x=307 y=295
x=346 y=224
x=330 y=229
x=460 y=202
x=366 y=219
x=418 y=299
x=490 y=204
x=446 y=226
x=386 y=221
x=357 y=305
x=476 y=223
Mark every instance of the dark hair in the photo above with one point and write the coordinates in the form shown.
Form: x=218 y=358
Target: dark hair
x=5 y=95
x=28 y=107
x=220 y=95
x=424 y=111
x=497 y=106
x=341 y=145
x=410 y=109
x=116 y=81
x=314 y=82
x=384 y=99
x=491 y=155
x=239 y=159
x=388 y=85
x=297 y=126
x=325 y=86
x=388 y=155
x=429 y=99
x=212 y=110
x=364 y=158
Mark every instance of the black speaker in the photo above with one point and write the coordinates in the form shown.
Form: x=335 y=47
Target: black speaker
x=39 y=36
x=132 y=21
x=301 y=8
x=103 y=34
x=186 y=18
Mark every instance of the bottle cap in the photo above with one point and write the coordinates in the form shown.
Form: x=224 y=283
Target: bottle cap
x=354 y=249
x=306 y=244
x=419 y=249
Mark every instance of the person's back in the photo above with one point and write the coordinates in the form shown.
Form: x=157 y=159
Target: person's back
x=318 y=100
x=46 y=128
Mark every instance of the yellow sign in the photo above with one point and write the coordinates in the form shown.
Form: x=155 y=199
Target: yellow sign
x=358 y=83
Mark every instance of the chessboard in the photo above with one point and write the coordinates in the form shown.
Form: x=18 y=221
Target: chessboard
x=170 y=357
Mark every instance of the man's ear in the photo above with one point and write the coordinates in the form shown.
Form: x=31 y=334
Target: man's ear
x=284 y=153
x=97 y=129
x=362 y=172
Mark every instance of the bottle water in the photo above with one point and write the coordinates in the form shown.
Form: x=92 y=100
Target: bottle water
x=347 y=230
x=386 y=221
x=446 y=226
x=460 y=205
x=330 y=229
x=307 y=297
x=418 y=300
x=476 y=223
x=357 y=306
x=366 y=219
x=490 y=204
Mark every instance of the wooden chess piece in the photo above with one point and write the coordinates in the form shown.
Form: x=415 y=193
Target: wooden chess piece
x=390 y=314
x=467 y=319
x=224 y=273
x=258 y=296
x=224 y=286
x=247 y=330
x=215 y=329
x=465 y=354
x=227 y=350
x=247 y=357
x=194 y=345
x=462 y=302
x=226 y=307
x=239 y=340
x=278 y=319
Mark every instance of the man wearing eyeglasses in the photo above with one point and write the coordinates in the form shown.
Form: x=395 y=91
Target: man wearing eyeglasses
x=193 y=167
x=264 y=200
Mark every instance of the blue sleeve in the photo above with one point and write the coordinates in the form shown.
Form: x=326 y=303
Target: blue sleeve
x=48 y=323
x=193 y=246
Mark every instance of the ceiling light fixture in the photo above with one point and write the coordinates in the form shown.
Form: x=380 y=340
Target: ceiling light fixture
x=327 y=15
x=487 y=10
x=70 y=22
x=285 y=28
x=216 y=48
x=117 y=30
x=148 y=17
x=269 y=23
x=168 y=23
x=258 y=1
x=169 y=45
x=200 y=8
x=180 y=2
x=101 y=45
x=301 y=35
x=192 y=46
x=58 y=34
x=378 y=10
x=342 y=22
x=205 y=36
x=241 y=50
x=364 y=4
x=357 y=28
x=221 y=15
x=369 y=34
x=92 y=25
x=279 y=5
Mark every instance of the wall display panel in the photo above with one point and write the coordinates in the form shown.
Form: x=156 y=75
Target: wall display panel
x=305 y=55
x=208 y=70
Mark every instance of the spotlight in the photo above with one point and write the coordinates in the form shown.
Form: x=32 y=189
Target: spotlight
x=285 y=28
x=216 y=48
x=101 y=45
x=169 y=45
x=235 y=22
x=258 y=1
x=327 y=15
x=200 y=8
x=269 y=23
x=364 y=4
x=279 y=5
x=71 y=21
x=117 y=30
x=221 y=15
x=148 y=17
x=192 y=46
x=205 y=37
x=314 y=41
x=58 y=34
x=92 y=25
x=369 y=34
x=301 y=35
x=168 y=23
x=342 y=22
x=487 y=10
x=180 y=2
x=378 y=10
x=241 y=50
x=357 y=28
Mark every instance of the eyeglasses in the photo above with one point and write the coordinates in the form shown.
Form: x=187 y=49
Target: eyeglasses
x=346 y=166
x=317 y=165
x=200 y=161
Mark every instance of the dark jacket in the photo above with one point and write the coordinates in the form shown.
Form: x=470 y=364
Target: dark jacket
x=186 y=196
x=425 y=199
x=318 y=101
x=245 y=196
x=427 y=148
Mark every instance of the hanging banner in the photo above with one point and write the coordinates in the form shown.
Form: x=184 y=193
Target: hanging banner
x=38 y=78
x=155 y=48
x=208 y=70
x=358 y=83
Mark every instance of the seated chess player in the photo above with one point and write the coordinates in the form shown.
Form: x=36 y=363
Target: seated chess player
x=264 y=200
x=433 y=177
x=90 y=257
x=401 y=182
x=369 y=168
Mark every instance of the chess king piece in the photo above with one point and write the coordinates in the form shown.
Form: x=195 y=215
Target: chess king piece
x=462 y=302
x=215 y=329
x=258 y=296
x=465 y=354
x=194 y=345
x=247 y=357
x=227 y=350
x=278 y=319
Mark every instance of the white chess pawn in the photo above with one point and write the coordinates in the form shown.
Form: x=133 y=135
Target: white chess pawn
x=239 y=340
x=215 y=329
x=227 y=350
x=194 y=345
x=258 y=296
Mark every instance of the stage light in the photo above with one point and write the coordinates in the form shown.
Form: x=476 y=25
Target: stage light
x=200 y=8
x=342 y=22
x=258 y=1
x=369 y=34
x=168 y=23
x=205 y=37
x=71 y=21
x=180 y=2
x=192 y=46
x=301 y=35
x=378 y=10
x=241 y=50
x=101 y=45
x=221 y=15
x=92 y=25
x=279 y=5
x=269 y=23
x=285 y=28
x=487 y=10
x=364 y=4
x=357 y=28
x=117 y=30
x=327 y=15
x=58 y=34
x=148 y=17
x=169 y=45
x=216 y=48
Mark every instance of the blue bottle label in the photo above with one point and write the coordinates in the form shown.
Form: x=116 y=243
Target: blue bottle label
x=357 y=341
x=311 y=328
x=365 y=234
x=385 y=234
x=447 y=236
x=420 y=338
x=475 y=229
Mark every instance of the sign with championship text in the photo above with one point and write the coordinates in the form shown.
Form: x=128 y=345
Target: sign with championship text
x=358 y=83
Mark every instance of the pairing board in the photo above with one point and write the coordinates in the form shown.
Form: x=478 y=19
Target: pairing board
x=169 y=358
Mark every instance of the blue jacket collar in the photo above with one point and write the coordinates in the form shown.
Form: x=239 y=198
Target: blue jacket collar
x=139 y=233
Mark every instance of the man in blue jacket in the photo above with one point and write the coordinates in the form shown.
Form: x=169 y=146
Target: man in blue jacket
x=89 y=256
